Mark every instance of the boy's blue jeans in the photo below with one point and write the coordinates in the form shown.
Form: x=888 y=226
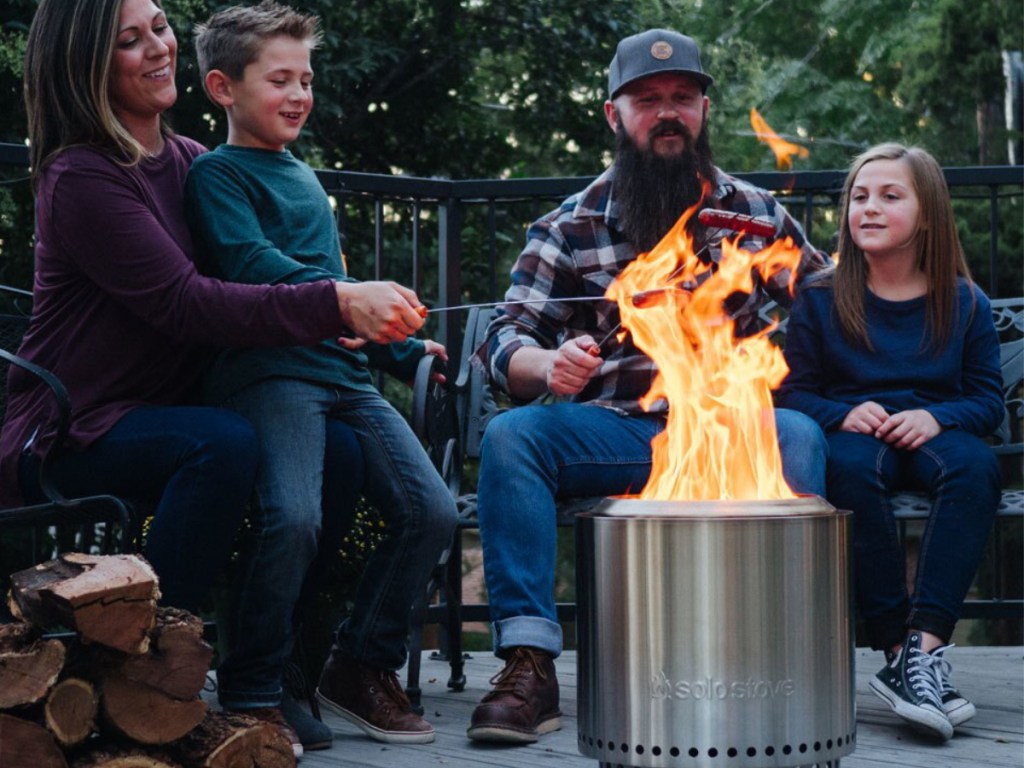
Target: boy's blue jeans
x=291 y=418
x=193 y=467
x=532 y=454
x=961 y=476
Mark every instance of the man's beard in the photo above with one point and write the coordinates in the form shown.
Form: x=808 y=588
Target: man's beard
x=652 y=191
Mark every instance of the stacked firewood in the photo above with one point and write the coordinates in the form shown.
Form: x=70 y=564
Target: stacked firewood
x=124 y=692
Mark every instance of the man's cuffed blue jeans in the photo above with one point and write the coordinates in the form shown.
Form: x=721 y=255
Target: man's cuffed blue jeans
x=291 y=418
x=193 y=467
x=960 y=474
x=533 y=454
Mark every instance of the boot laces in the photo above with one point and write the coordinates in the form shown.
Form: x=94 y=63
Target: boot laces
x=513 y=675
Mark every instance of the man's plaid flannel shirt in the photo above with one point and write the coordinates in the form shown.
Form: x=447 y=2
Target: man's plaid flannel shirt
x=576 y=250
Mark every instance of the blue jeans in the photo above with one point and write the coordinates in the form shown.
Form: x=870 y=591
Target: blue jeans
x=192 y=466
x=291 y=418
x=533 y=454
x=960 y=474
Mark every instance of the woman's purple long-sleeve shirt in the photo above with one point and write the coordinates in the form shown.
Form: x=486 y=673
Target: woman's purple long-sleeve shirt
x=120 y=313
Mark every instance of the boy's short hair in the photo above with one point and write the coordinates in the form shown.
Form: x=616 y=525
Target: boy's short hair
x=232 y=39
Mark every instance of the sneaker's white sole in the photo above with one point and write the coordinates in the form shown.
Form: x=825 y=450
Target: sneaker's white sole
x=388 y=737
x=509 y=736
x=929 y=719
x=959 y=711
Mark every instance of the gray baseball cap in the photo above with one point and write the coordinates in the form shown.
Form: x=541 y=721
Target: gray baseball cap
x=651 y=52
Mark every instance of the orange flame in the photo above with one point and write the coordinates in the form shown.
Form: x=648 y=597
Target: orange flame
x=784 y=150
x=720 y=440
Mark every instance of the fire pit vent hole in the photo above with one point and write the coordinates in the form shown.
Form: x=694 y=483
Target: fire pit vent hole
x=714 y=752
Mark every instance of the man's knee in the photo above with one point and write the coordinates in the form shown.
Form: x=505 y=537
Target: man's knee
x=512 y=433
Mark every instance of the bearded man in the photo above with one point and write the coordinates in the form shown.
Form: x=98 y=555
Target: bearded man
x=597 y=440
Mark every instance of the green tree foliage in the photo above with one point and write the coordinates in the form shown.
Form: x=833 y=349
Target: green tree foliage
x=483 y=88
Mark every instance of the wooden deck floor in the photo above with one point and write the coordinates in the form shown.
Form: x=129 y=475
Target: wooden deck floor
x=991 y=677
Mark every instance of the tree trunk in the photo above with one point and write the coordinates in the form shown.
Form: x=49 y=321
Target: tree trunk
x=70 y=711
x=28 y=666
x=109 y=600
x=226 y=740
x=24 y=744
x=145 y=714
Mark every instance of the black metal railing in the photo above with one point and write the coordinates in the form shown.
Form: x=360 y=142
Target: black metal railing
x=419 y=231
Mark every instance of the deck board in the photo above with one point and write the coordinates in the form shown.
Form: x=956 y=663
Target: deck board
x=991 y=677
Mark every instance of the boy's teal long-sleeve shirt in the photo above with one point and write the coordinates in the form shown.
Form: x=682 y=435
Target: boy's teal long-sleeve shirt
x=262 y=217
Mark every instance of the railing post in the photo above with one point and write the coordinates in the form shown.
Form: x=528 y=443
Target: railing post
x=449 y=277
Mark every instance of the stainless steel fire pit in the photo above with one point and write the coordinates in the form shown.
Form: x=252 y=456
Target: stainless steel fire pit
x=715 y=634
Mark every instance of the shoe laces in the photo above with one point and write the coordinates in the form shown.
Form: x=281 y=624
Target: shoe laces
x=924 y=674
x=511 y=678
x=392 y=689
x=944 y=669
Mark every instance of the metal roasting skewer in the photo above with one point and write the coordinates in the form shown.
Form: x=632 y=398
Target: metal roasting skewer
x=734 y=222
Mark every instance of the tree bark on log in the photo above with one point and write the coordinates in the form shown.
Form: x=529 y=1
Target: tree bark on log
x=179 y=658
x=70 y=711
x=226 y=740
x=145 y=714
x=29 y=667
x=109 y=599
x=24 y=744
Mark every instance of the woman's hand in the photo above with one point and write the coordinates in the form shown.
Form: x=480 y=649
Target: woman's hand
x=379 y=311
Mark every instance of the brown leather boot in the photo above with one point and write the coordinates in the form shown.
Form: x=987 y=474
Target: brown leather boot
x=524 y=702
x=373 y=700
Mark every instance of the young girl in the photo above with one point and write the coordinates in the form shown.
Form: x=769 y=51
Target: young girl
x=895 y=355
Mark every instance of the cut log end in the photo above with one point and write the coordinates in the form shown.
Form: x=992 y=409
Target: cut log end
x=147 y=715
x=24 y=744
x=28 y=668
x=224 y=740
x=70 y=711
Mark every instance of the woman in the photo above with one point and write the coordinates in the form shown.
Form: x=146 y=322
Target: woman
x=120 y=313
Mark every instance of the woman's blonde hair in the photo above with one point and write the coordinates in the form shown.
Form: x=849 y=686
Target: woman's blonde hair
x=67 y=81
x=939 y=253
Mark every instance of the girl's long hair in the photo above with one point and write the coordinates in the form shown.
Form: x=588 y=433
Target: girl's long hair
x=67 y=82
x=939 y=253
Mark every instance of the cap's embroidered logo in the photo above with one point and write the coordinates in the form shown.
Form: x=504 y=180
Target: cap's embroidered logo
x=661 y=50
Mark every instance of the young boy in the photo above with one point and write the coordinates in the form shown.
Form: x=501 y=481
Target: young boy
x=261 y=216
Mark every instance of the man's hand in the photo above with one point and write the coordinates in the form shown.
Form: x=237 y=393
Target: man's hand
x=572 y=366
x=866 y=418
x=379 y=311
x=908 y=429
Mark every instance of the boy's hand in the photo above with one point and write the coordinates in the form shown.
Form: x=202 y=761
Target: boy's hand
x=379 y=311
x=431 y=347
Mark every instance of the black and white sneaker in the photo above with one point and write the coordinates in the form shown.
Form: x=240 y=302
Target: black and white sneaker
x=911 y=686
x=957 y=708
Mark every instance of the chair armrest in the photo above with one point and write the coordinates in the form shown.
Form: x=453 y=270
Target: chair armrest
x=58 y=509
x=61 y=425
x=436 y=420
